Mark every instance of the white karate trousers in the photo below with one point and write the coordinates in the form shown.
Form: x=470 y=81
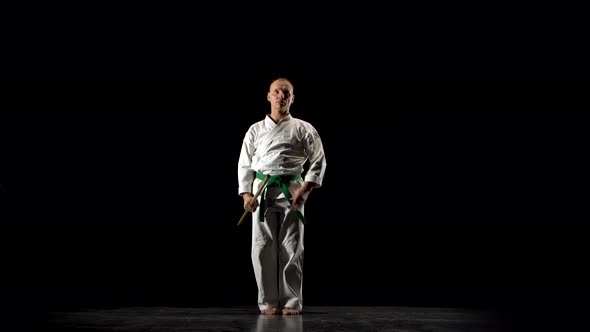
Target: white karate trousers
x=277 y=250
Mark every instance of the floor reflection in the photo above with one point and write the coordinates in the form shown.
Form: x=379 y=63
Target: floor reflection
x=289 y=323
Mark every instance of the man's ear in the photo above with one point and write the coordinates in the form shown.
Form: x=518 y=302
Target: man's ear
x=268 y=96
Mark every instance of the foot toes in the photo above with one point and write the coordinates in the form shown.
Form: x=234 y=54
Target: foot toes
x=290 y=311
x=272 y=311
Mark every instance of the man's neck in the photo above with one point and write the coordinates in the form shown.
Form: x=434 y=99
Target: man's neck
x=278 y=116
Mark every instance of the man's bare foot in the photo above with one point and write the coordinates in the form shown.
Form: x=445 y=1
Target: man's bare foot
x=290 y=311
x=272 y=311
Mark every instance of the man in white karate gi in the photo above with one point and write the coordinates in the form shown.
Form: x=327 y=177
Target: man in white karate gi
x=274 y=152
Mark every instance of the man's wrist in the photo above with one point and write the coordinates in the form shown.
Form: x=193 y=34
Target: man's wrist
x=308 y=186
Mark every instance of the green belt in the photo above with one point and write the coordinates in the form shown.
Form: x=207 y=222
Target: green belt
x=282 y=181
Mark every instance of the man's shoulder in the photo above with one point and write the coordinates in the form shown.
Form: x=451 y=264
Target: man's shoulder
x=302 y=123
x=257 y=124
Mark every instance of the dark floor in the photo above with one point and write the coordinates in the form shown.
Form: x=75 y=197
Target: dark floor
x=319 y=318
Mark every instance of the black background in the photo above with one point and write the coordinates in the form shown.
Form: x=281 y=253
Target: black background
x=436 y=193
x=456 y=158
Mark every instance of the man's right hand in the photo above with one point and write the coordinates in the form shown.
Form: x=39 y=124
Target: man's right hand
x=250 y=204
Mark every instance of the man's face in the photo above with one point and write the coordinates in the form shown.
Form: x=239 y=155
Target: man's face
x=280 y=95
